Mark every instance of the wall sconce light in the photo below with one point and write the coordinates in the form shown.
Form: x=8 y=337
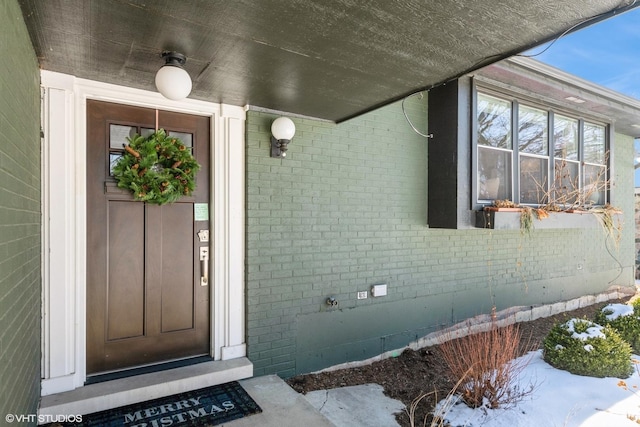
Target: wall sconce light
x=282 y=131
x=173 y=81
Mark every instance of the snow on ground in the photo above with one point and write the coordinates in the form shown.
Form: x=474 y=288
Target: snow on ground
x=560 y=399
x=617 y=310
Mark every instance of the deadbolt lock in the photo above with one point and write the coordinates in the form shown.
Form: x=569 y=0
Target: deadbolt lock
x=203 y=235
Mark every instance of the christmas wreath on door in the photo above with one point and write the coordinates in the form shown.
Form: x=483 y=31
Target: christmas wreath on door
x=157 y=169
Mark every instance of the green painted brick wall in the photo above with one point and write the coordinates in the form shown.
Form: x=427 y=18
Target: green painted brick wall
x=20 y=275
x=347 y=209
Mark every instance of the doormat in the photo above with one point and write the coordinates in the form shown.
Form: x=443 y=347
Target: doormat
x=208 y=406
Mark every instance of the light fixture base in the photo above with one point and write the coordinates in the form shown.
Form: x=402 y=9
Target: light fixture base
x=279 y=147
x=174 y=58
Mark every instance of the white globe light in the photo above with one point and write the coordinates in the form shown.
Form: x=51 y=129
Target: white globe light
x=173 y=82
x=283 y=128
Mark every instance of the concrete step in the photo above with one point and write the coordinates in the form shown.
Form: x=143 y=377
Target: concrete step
x=125 y=391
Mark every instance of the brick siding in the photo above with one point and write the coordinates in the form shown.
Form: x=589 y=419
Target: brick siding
x=20 y=275
x=347 y=209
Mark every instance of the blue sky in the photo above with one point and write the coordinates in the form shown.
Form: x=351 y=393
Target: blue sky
x=607 y=53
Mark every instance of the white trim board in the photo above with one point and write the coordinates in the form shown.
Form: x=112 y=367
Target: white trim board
x=64 y=201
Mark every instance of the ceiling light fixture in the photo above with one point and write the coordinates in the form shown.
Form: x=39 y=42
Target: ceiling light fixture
x=173 y=81
x=282 y=130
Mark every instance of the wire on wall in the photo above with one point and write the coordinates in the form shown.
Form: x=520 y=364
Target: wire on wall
x=406 y=116
x=620 y=266
x=491 y=58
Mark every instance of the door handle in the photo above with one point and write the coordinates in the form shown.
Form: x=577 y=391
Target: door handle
x=204 y=261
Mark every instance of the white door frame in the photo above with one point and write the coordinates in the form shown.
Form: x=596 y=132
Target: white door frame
x=64 y=200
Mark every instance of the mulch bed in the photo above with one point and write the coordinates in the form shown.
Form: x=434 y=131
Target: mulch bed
x=416 y=372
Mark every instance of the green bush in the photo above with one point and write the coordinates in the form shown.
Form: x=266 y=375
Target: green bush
x=626 y=324
x=586 y=348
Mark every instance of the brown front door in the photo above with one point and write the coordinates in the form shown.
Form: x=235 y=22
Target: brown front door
x=145 y=300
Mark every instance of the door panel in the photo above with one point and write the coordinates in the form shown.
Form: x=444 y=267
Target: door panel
x=177 y=297
x=145 y=303
x=125 y=282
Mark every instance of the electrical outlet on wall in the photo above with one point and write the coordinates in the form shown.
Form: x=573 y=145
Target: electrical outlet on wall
x=379 y=290
x=362 y=294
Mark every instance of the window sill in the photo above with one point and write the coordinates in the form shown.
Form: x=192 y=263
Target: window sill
x=509 y=219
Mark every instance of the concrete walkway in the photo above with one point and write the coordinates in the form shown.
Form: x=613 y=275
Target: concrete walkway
x=357 y=406
x=281 y=406
x=362 y=405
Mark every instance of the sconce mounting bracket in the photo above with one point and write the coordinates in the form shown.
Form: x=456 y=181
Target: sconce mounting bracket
x=279 y=147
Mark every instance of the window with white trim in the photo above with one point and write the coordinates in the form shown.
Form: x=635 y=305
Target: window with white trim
x=533 y=155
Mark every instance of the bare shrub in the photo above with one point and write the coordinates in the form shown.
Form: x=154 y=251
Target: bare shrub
x=485 y=365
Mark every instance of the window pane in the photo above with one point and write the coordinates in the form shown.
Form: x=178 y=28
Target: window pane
x=186 y=138
x=494 y=122
x=532 y=130
x=594 y=185
x=566 y=183
x=565 y=138
x=113 y=160
x=594 y=143
x=118 y=135
x=147 y=132
x=494 y=174
x=533 y=179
